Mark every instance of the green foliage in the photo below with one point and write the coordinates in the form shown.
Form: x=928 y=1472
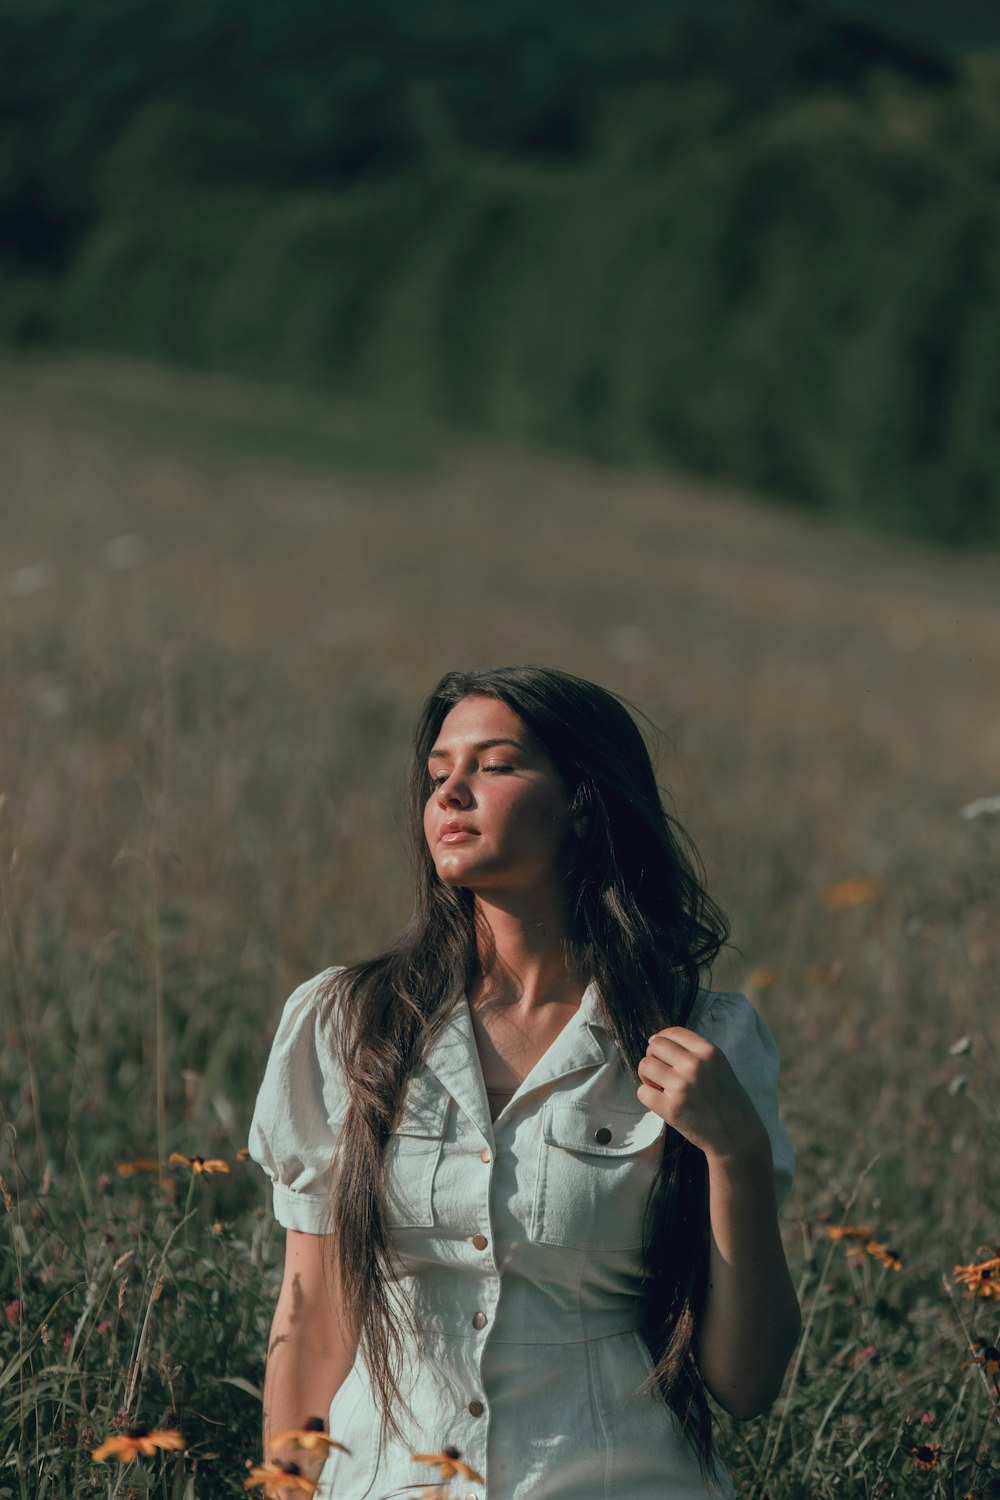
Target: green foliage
x=140 y=1307
x=765 y=249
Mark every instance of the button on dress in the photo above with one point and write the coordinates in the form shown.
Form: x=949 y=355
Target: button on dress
x=520 y=1241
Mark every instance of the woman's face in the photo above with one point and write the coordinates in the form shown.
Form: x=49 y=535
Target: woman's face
x=498 y=786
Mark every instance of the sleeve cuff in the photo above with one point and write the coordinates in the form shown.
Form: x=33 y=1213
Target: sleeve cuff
x=307 y=1212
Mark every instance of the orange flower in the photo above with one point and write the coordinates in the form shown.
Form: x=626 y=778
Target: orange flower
x=926 y=1456
x=141 y=1164
x=982 y=1280
x=198 y=1164
x=311 y=1437
x=856 y=891
x=762 y=978
x=448 y=1462
x=858 y=1250
x=887 y=1257
x=135 y=1442
x=988 y=1357
x=848 y=1231
x=276 y=1477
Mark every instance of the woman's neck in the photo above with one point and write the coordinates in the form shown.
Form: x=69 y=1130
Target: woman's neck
x=522 y=960
x=528 y=993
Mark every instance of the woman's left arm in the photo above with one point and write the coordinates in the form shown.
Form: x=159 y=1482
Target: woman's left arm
x=750 y=1320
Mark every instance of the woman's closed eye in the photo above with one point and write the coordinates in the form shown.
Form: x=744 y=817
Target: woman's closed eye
x=437 y=780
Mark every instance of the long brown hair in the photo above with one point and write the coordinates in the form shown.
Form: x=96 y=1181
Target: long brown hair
x=639 y=923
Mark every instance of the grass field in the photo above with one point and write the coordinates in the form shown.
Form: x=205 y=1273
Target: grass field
x=220 y=607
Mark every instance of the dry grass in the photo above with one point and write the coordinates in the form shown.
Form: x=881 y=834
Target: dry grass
x=202 y=737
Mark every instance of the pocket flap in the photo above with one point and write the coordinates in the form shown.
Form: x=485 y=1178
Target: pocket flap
x=425 y=1107
x=578 y=1126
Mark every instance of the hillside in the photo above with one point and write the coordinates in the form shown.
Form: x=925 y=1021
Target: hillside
x=764 y=248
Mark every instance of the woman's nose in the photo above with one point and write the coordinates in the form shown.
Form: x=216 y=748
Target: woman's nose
x=452 y=790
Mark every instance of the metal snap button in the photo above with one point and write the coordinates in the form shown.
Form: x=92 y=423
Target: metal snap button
x=479 y=1321
x=480 y=1241
x=602 y=1136
x=476 y=1408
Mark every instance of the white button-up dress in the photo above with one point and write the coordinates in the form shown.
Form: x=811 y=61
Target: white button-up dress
x=521 y=1242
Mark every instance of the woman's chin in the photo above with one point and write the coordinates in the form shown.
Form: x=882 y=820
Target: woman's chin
x=456 y=869
x=454 y=875
x=464 y=879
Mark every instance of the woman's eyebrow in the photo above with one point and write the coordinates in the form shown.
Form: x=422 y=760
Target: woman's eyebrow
x=483 y=745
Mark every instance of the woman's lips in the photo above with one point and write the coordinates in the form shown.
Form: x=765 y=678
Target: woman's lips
x=457 y=837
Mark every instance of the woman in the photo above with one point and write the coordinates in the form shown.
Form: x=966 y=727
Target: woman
x=529 y=1171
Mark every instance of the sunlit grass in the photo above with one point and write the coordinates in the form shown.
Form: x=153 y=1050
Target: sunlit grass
x=201 y=746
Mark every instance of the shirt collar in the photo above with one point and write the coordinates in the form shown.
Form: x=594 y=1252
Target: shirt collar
x=453 y=1056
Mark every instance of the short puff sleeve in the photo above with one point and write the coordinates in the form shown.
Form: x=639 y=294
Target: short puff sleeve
x=300 y=1106
x=727 y=1019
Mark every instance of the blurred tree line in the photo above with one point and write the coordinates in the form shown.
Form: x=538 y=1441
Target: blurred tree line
x=765 y=248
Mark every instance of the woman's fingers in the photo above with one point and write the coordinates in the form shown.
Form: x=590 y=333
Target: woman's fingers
x=676 y=1054
x=674 y=1041
x=685 y=1068
x=652 y=1071
x=689 y=1083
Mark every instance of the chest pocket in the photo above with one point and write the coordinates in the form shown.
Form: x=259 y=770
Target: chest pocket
x=413 y=1151
x=596 y=1168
